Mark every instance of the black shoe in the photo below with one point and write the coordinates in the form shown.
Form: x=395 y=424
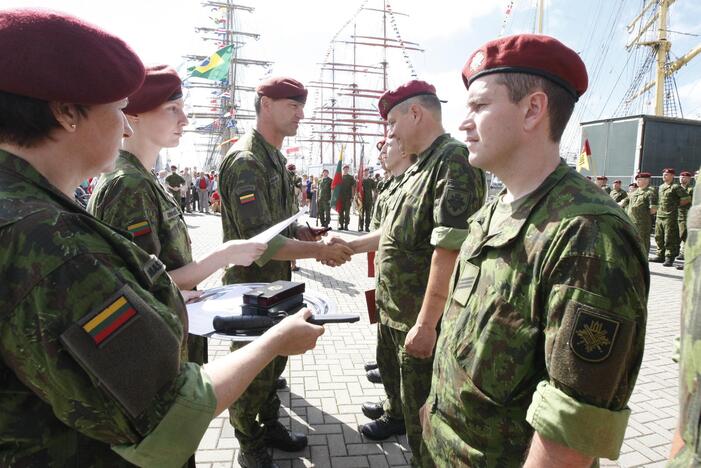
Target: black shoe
x=277 y=436
x=256 y=459
x=680 y=267
x=372 y=410
x=370 y=366
x=669 y=261
x=657 y=259
x=374 y=376
x=680 y=257
x=281 y=383
x=383 y=428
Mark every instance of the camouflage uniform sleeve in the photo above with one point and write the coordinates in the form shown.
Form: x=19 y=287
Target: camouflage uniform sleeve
x=32 y=344
x=242 y=185
x=130 y=204
x=594 y=296
x=460 y=192
x=654 y=195
x=683 y=194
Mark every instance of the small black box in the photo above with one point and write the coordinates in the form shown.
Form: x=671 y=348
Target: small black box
x=270 y=295
x=286 y=305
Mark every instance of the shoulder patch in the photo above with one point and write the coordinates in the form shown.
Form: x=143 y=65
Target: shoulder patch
x=139 y=228
x=153 y=269
x=246 y=198
x=593 y=336
x=172 y=213
x=456 y=200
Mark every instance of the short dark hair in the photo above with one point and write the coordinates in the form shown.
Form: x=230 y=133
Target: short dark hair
x=560 y=101
x=26 y=121
x=427 y=101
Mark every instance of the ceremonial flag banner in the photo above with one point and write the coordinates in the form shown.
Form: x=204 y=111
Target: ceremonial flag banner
x=214 y=67
x=584 y=157
x=336 y=184
x=361 y=168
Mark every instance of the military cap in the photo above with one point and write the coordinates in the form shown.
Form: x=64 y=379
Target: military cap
x=618 y=181
x=643 y=175
x=601 y=177
x=346 y=166
x=53 y=56
x=668 y=170
x=380 y=144
x=685 y=174
x=633 y=184
x=529 y=53
x=291 y=167
x=162 y=84
x=281 y=87
x=391 y=98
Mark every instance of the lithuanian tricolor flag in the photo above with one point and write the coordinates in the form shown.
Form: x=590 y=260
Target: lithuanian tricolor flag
x=109 y=320
x=139 y=229
x=336 y=183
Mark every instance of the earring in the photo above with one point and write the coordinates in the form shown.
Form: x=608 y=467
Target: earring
x=73 y=126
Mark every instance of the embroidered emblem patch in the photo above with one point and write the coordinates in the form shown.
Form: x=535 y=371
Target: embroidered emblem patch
x=593 y=336
x=110 y=319
x=456 y=201
x=139 y=229
x=477 y=61
x=248 y=198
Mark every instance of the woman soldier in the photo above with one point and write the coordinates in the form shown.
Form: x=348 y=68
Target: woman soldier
x=91 y=328
x=131 y=199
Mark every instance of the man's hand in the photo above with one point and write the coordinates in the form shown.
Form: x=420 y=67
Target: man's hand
x=243 y=252
x=294 y=335
x=334 y=254
x=420 y=341
x=190 y=295
x=309 y=234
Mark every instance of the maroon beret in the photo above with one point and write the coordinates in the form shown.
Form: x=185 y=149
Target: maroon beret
x=391 y=98
x=617 y=181
x=685 y=174
x=529 y=53
x=643 y=175
x=53 y=56
x=601 y=177
x=668 y=170
x=291 y=167
x=633 y=184
x=281 y=87
x=162 y=84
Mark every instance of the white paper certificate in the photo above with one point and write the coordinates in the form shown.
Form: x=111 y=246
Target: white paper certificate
x=267 y=235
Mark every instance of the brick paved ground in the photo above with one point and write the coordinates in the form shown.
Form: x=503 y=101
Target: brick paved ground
x=328 y=385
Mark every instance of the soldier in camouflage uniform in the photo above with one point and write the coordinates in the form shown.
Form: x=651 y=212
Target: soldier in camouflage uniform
x=685 y=183
x=618 y=194
x=131 y=199
x=368 y=201
x=642 y=204
x=543 y=332
x=257 y=192
x=670 y=197
x=686 y=450
x=325 y=198
x=92 y=328
x=423 y=225
x=173 y=182
x=602 y=183
x=345 y=197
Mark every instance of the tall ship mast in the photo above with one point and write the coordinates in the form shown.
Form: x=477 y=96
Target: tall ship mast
x=220 y=98
x=366 y=56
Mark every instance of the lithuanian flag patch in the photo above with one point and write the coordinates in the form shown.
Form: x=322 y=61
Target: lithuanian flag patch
x=109 y=320
x=248 y=198
x=140 y=228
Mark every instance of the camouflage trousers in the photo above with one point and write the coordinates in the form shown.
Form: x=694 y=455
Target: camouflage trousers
x=682 y=229
x=258 y=405
x=365 y=215
x=344 y=215
x=644 y=229
x=324 y=212
x=407 y=382
x=667 y=237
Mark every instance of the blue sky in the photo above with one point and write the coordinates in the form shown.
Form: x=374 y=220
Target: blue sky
x=295 y=36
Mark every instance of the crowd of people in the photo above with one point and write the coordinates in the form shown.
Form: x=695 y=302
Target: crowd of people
x=511 y=331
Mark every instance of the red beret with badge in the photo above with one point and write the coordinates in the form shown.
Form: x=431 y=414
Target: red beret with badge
x=162 y=84
x=685 y=174
x=668 y=170
x=601 y=177
x=281 y=87
x=643 y=175
x=53 y=56
x=617 y=181
x=533 y=54
x=391 y=98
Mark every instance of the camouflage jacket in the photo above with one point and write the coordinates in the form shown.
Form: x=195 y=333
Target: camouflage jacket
x=131 y=199
x=257 y=191
x=90 y=333
x=669 y=197
x=683 y=210
x=347 y=185
x=618 y=195
x=368 y=191
x=384 y=190
x=641 y=201
x=428 y=208
x=690 y=372
x=325 y=189
x=544 y=328
x=175 y=180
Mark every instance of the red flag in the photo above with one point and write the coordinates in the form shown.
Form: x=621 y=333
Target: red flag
x=336 y=184
x=361 y=168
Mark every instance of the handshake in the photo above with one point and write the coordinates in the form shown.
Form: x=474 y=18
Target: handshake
x=333 y=251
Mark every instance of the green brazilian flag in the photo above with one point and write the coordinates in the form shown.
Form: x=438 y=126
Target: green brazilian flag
x=214 y=67
x=336 y=183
